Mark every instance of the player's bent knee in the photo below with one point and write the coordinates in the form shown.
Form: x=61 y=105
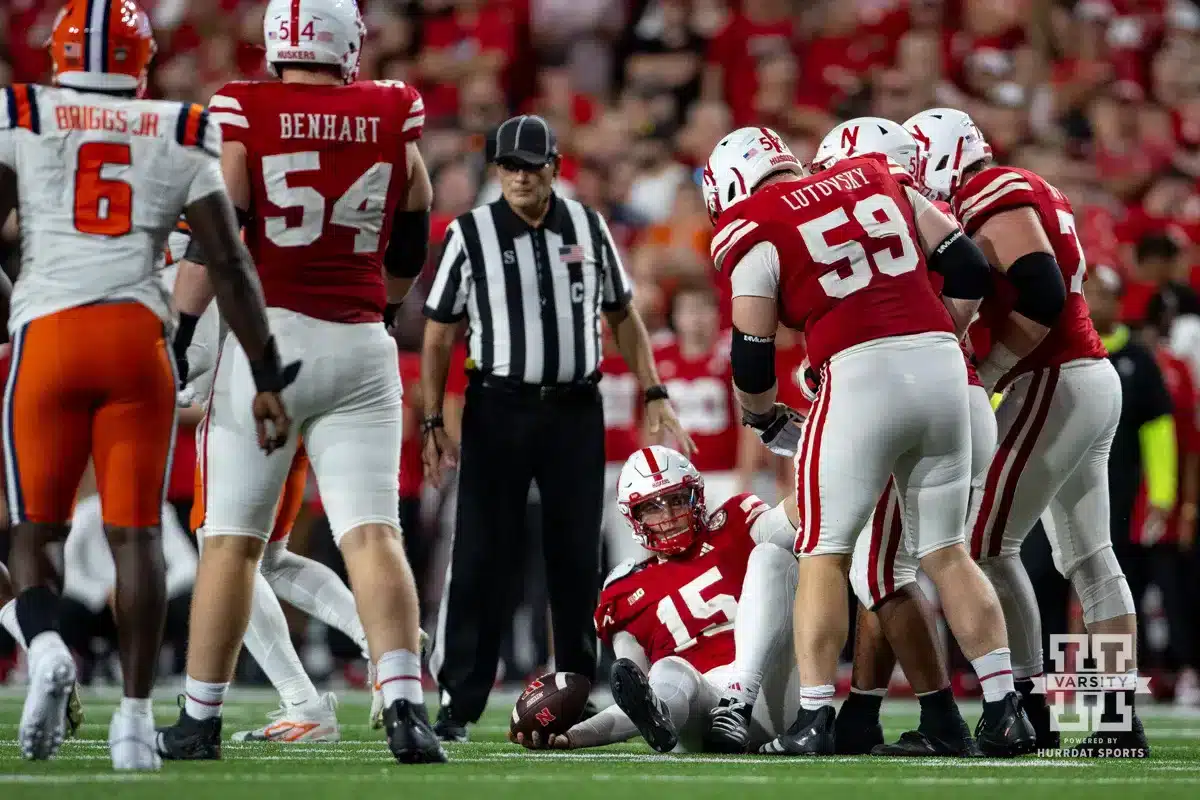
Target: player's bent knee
x=364 y=533
x=771 y=562
x=1102 y=588
x=675 y=674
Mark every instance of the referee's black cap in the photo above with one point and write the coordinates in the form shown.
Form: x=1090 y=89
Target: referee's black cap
x=526 y=140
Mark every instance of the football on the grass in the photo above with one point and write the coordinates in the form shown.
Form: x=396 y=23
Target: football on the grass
x=551 y=704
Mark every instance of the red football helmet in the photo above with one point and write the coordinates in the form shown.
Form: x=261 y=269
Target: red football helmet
x=104 y=45
x=661 y=495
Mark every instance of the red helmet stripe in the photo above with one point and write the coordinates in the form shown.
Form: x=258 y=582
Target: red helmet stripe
x=295 y=23
x=651 y=460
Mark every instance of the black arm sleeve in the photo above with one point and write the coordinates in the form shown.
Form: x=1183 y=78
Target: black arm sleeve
x=408 y=246
x=1041 y=293
x=753 y=360
x=963 y=266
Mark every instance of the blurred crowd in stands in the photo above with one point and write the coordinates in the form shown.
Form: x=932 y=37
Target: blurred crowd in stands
x=1101 y=97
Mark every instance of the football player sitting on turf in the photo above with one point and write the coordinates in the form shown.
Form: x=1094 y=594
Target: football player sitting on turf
x=707 y=617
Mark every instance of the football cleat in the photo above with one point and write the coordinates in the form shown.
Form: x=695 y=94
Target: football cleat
x=919 y=744
x=74 y=711
x=812 y=734
x=409 y=735
x=1038 y=712
x=44 y=716
x=633 y=694
x=1004 y=730
x=728 y=727
x=1116 y=744
x=307 y=722
x=133 y=742
x=449 y=729
x=190 y=739
x=857 y=730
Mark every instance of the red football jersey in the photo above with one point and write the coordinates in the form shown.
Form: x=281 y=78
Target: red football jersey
x=850 y=266
x=701 y=390
x=997 y=189
x=622 y=398
x=686 y=606
x=327 y=168
x=789 y=374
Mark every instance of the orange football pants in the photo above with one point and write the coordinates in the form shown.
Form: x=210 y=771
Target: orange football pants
x=95 y=381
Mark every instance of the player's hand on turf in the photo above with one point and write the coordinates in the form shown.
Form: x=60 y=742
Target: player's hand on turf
x=660 y=415
x=271 y=421
x=535 y=741
x=439 y=452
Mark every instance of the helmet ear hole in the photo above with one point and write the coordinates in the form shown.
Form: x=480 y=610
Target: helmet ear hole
x=730 y=193
x=942 y=162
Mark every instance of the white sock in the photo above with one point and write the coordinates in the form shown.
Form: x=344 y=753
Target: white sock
x=400 y=677
x=137 y=706
x=813 y=698
x=203 y=700
x=8 y=618
x=315 y=589
x=873 y=692
x=269 y=642
x=1022 y=619
x=762 y=626
x=995 y=674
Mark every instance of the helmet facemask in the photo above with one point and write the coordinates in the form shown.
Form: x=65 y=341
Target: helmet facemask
x=670 y=521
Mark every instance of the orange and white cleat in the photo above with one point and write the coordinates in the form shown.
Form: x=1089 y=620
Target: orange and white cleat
x=307 y=722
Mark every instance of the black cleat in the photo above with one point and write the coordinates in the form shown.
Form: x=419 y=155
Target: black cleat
x=728 y=727
x=1004 y=730
x=812 y=734
x=632 y=693
x=409 y=736
x=191 y=739
x=919 y=744
x=857 y=732
x=1039 y=716
x=1115 y=744
x=448 y=729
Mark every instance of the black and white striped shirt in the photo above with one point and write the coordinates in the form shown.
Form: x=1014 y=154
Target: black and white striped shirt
x=533 y=296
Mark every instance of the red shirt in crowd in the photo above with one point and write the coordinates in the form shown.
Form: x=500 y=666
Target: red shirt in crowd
x=491 y=29
x=739 y=49
x=1185 y=401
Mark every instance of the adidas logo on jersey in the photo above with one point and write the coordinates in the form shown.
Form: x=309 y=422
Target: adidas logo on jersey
x=706 y=548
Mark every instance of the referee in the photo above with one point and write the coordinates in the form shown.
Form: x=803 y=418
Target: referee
x=532 y=273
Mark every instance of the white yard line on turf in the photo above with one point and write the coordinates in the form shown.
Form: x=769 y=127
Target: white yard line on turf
x=401 y=776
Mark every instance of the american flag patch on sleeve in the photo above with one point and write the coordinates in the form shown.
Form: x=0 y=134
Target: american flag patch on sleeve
x=571 y=254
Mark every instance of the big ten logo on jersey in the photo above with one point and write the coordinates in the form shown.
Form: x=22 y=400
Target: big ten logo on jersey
x=704 y=617
x=702 y=404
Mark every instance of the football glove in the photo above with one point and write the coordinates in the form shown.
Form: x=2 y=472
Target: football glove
x=779 y=429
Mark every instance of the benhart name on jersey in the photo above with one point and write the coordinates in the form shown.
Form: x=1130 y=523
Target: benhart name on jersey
x=844 y=182
x=328 y=127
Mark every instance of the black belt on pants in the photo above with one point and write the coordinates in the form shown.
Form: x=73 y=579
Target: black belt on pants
x=557 y=392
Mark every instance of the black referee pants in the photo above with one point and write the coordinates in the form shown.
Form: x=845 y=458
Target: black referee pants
x=510 y=439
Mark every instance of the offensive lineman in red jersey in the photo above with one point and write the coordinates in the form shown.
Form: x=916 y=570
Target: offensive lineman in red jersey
x=334 y=192
x=697 y=621
x=843 y=254
x=1060 y=410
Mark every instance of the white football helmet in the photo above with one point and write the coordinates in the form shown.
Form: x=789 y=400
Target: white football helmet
x=948 y=142
x=867 y=135
x=661 y=483
x=314 y=32
x=740 y=162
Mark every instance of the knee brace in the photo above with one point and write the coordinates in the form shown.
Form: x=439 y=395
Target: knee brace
x=1102 y=588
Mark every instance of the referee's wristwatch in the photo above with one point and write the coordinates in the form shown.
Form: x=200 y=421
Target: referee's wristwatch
x=656 y=392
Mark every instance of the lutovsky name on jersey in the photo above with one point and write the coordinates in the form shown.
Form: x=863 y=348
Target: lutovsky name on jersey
x=91 y=118
x=812 y=192
x=328 y=127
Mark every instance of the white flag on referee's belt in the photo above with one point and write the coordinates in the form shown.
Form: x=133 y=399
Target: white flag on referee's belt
x=571 y=254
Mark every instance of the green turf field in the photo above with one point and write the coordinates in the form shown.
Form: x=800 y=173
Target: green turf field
x=361 y=767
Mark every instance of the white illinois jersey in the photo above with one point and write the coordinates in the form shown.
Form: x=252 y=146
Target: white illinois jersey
x=102 y=182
